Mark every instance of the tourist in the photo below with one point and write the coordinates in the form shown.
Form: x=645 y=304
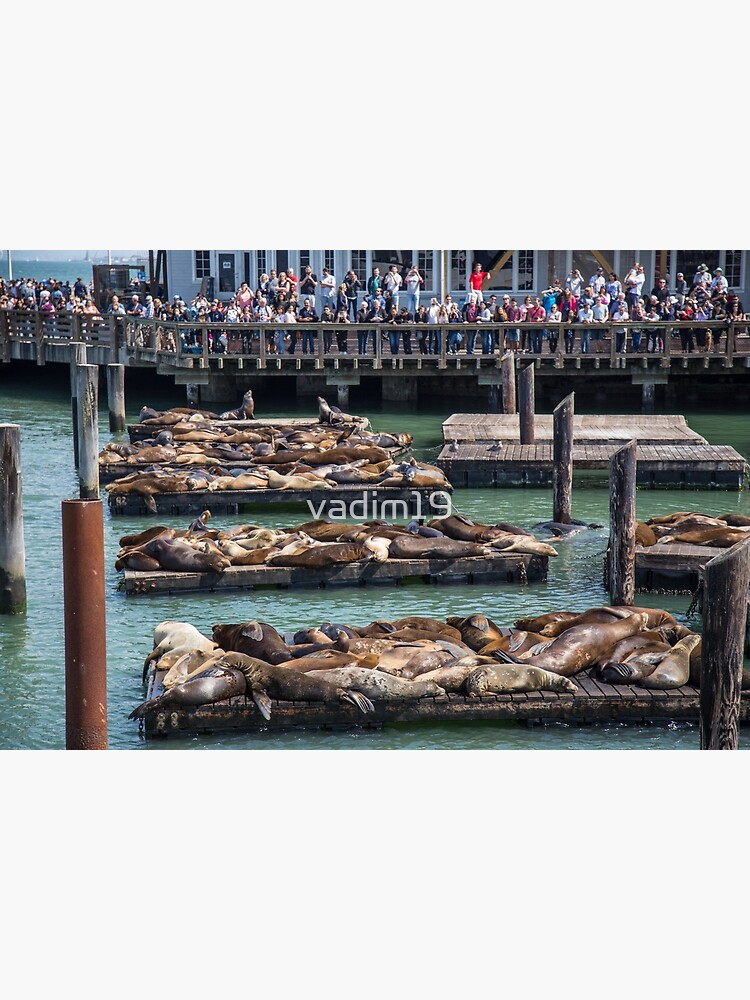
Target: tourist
x=613 y=286
x=536 y=314
x=470 y=312
x=568 y=308
x=597 y=280
x=512 y=335
x=681 y=289
x=413 y=282
x=574 y=283
x=392 y=284
x=637 y=315
x=374 y=283
x=477 y=278
x=433 y=319
x=719 y=282
x=686 y=313
x=327 y=317
x=585 y=318
x=328 y=290
x=308 y=284
x=634 y=282
x=307 y=315
x=619 y=315
x=600 y=312
x=421 y=319
x=352 y=284
x=554 y=316
x=342 y=317
x=455 y=337
x=341 y=301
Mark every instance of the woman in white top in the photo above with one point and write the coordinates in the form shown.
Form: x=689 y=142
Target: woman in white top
x=413 y=282
x=574 y=281
x=554 y=316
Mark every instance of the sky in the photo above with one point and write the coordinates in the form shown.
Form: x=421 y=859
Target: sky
x=66 y=254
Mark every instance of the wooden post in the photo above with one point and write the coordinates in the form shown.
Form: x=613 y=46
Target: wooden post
x=193 y=393
x=648 y=395
x=12 y=552
x=77 y=358
x=509 y=382
x=378 y=363
x=443 y=363
x=116 y=397
x=729 y=358
x=493 y=399
x=725 y=583
x=39 y=337
x=562 y=459
x=667 y=352
x=5 y=334
x=262 y=345
x=88 y=431
x=85 y=625
x=526 y=404
x=342 y=395
x=621 y=552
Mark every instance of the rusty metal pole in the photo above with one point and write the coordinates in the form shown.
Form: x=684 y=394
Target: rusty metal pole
x=12 y=551
x=85 y=625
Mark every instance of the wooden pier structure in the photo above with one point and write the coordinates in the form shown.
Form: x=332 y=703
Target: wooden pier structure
x=484 y=450
x=593 y=701
x=502 y=567
x=386 y=502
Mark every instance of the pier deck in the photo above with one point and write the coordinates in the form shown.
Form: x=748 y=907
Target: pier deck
x=594 y=701
x=388 y=502
x=587 y=429
x=691 y=466
x=671 y=569
x=510 y=567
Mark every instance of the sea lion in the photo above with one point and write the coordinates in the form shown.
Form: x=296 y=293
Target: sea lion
x=538 y=623
x=644 y=534
x=415 y=547
x=322 y=530
x=507 y=678
x=633 y=658
x=328 y=659
x=379 y=686
x=655 y=618
x=579 y=647
x=522 y=543
x=463 y=529
x=674 y=669
x=179 y=556
x=245 y=411
x=137 y=559
x=188 y=665
x=265 y=682
x=332 y=414
x=560 y=530
x=452 y=676
x=736 y=520
x=256 y=639
x=304 y=481
x=173 y=635
x=717 y=537
x=215 y=684
x=476 y=630
x=322 y=555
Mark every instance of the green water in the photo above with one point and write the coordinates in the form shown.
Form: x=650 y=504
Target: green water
x=32 y=702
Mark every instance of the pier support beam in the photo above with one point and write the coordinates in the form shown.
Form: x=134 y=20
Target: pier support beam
x=648 y=397
x=77 y=358
x=562 y=459
x=88 y=431
x=725 y=583
x=621 y=552
x=85 y=625
x=526 y=404
x=342 y=396
x=12 y=551
x=508 y=365
x=116 y=397
x=493 y=399
x=193 y=394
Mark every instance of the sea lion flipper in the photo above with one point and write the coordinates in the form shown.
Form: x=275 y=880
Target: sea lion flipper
x=504 y=657
x=540 y=647
x=261 y=699
x=356 y=698
x=253 y=630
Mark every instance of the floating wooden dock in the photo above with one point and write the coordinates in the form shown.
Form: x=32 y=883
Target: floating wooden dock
x=138 y=432
x=389 y=502
x=587 y=429
x=511 y=567
x=688 y=466
x=594 y=701
x=676 y=568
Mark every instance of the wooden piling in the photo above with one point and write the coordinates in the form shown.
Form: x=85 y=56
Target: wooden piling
x=509 y=382
x=342 y=395
x=562 y=459
x=77 y=358
x=725 y=582
x=621 y=552
x=493 y=399
x=85 y=625
x=88 y=431
x=193 y=392
x=526 y=404
x=648 y=397
x=116 y=397
x=12 y=552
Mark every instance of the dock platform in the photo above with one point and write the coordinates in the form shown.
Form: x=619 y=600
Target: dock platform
x=511 y=567
x=466 y=428
x=388 y=502
x=138 y=432
x=686 y=466
x=671 y=569
x=594 y=701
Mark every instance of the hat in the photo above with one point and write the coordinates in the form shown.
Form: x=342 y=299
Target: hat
x=702 y=267
x=600 y=268
x=718 y=271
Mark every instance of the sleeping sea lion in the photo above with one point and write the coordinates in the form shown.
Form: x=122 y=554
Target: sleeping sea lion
x=506 y=678
x=674 y=669
x=265 y=682
x=722 y=538
x=257 y=639
x=415 y=547
x=215 y=684
x=380 y=686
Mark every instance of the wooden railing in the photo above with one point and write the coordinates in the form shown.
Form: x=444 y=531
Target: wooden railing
x=422 y=345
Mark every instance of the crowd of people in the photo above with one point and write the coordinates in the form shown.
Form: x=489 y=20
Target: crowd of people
x=570 y=308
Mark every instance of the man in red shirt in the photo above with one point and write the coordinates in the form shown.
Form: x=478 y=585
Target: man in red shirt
x=477 y=279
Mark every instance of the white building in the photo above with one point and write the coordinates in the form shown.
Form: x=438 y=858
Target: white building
x=517 y=272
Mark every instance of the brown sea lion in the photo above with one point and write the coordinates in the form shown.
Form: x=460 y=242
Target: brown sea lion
x=257 y=639
x=319 y=556
x=322 y=530
x=328 y=659
x=507 y=678
x=580 y=647
x=215 y=684
x=715 y=537
x=464 y=529
x=655 y=617
x=178 y=556
x=736 y=520
x=379 y=686
x=452 y=676
x=138 y=560
x=245 y=411
x=674 y=669
x=476 y=630
x=415 y=547
x=633 y=658
x=644 y=534
x=537 y=624
x=265 y=682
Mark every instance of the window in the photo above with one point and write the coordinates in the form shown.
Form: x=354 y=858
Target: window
x=501 y=275
x=525 y=270
x=282 y=261
x=329 y=260
x=359 y=264
x=202 y=263
x=733 y=267
x=688 y=261
x=586 y=263
x=304 y=259
x=458 y=269
x=384 y=258
x=261 y=262
x=426 y=268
